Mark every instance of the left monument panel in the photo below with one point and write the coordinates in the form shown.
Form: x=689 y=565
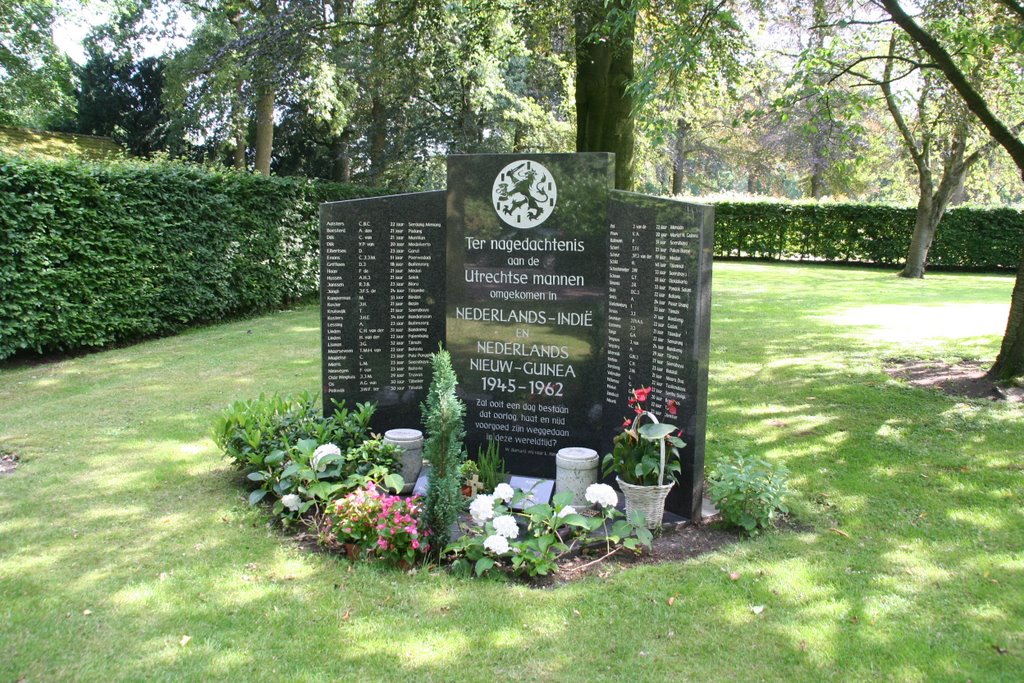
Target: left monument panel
x=382 y=302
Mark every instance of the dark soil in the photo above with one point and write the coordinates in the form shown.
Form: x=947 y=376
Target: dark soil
x=965 y=379
x=675 y=543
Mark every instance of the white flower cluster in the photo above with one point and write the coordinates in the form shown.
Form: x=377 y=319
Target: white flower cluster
x=506 y=526
x=497 y=544
x=482 y=508
x=602 y=494
x=504 y=492
x=320 y=453
x=291 y=501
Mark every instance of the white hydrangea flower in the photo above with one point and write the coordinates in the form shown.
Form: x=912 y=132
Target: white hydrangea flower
x=496 y=544
x=566 y=511
x=482 y=508
x=602 y=494
x=320 y=453
x=506 y=526
x=291 y=501
x=504 y=492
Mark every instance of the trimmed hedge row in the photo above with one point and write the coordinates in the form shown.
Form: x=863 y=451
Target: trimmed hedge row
x=97 y=253
x=969 y=238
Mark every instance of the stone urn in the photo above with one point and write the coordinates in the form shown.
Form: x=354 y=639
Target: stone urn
x=411 y=443
x=576 y=470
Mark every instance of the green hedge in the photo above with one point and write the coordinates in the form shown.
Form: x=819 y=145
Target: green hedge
x=968 y=238
x=97 y=253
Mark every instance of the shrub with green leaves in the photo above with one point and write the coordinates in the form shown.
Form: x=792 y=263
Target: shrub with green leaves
x=749 y=492
x=443 y=414
x=95 y=253
x=250 y=431
x=495 y=539
x=299 y=457
x=857 y=232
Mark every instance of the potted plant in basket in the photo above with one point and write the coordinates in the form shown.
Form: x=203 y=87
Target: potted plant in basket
x=645 y=459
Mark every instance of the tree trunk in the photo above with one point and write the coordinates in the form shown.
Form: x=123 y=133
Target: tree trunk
x=341 y=167
x=264 y=128
x=819 y=115
x=238 y=156
x=238 y=123
x=925 y=224
x=604 y=69
x=378 y=138
x=818 y=172
x=679 y=155
x=1010 y=361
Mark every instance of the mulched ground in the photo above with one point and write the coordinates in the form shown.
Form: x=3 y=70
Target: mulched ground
x=966 y=379
x=675 y=542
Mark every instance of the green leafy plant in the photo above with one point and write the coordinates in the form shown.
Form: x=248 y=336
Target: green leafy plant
x=442 y=416
x=496 y=541
x=378 y=524
x=248 y=432
x=749 y=492
x=636 y=451
x=491 y=464
x=295 y=454
x=98 y=253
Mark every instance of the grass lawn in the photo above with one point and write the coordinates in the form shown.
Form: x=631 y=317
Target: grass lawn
x=127 y=551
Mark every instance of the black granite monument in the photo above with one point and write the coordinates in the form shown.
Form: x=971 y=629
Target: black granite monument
x=555 y=294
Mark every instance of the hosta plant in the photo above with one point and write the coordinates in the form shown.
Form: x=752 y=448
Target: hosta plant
x=749 y=492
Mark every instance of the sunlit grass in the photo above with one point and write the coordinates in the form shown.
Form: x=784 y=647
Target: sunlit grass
x=127 y=551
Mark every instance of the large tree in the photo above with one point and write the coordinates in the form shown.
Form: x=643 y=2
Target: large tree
x=35 y=77
x=632 y=54
x=937 y=139
x=1007 y=16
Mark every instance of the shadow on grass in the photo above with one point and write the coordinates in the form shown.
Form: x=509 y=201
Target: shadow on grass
x=122 y=508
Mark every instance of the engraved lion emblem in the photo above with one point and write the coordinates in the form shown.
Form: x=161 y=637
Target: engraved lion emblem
x=524 y=194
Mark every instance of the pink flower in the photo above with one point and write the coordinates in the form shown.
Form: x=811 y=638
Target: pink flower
x=415 y=544
x=673 y=407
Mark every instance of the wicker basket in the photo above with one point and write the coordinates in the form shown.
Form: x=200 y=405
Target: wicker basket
x=650 y=500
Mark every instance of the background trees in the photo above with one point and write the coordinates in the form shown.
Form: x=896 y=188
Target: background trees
x=36 y=86
x=794 y=99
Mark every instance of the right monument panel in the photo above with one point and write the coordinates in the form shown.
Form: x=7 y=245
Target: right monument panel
x=659 y=312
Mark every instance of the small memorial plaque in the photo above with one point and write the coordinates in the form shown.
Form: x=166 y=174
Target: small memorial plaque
x=539 y=490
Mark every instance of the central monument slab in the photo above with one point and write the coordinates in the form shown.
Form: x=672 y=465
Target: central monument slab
x=527 y=300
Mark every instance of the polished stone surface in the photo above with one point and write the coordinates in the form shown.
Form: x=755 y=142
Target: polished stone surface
x=659 y=299
x=527 y=300
x=555 y=295
x=382 y=266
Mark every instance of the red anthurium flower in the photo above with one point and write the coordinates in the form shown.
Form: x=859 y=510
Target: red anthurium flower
x=626 y=423
x=641 y=394
x=672 y=407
